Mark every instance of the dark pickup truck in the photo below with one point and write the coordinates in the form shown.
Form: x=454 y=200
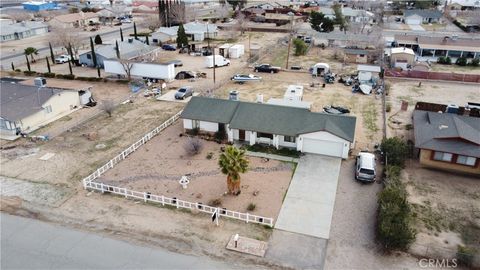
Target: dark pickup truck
x=266 y=68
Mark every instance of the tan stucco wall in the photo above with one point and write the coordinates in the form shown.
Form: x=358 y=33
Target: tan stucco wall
x=62 y=104
x=403 y=56
x=426 y=161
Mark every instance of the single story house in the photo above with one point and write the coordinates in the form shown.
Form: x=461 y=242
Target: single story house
x=447 y=141
x=109 y=14
x=350 y=15
x=402 y=57
x=419 y=16
x=37 y=6
x=279 y=126
x=80 y=19
x=359 y=56
x=25 y=108
x=15 y=31
x=464 y=4
x=196 y=31
x=129 y=49
x=429 y=48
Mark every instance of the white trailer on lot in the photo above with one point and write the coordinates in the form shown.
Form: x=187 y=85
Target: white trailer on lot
x=140 y=69
x=294 y=92
x=236 y=51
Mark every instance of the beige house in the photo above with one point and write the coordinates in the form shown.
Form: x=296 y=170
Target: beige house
x=80 y=19
x=26 y=108
x=402 y=57
x=448 y=141
x=358 y=56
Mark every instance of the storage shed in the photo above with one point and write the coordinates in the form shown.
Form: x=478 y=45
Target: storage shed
x=236 y=51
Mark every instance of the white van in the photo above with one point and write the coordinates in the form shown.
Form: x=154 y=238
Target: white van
x=220 y=61
x=365 y=167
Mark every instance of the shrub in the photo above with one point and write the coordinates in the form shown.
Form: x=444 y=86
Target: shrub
x=18 y=70
x=193 y=146
x=462 y=61
x=300 y=47
x=394 y=219
x=108 y=106
x=465 y=255
x=215 y=202
x=395 y=150
x=475 y=62
x=65 y=76
x=49 y=75
x=194 y=131
x=220 y=135
x=388 y=107
x=122 y=81
x=29 y=73
x=251 y=207
x=444 y=60
x=210 y=155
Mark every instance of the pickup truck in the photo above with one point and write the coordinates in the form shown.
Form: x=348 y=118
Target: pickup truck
x=266 y=68
x=62 y=59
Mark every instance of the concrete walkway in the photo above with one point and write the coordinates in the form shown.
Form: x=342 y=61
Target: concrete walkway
x=308 y=205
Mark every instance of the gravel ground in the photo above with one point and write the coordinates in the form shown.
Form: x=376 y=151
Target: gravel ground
x=352 y=237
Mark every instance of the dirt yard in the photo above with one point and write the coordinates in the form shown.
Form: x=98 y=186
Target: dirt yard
x=400 y=122
x=158 y=166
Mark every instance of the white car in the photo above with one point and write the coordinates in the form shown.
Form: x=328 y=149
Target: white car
x=62 y=59
x=242 y=78
x=126 y=21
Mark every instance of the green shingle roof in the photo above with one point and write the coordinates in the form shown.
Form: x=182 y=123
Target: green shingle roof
x=267 y=118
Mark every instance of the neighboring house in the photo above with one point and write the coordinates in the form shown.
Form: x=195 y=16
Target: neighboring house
x=15 y=31
x=447 y=141
x=109 y=14
x=419 y=16
x=402 y=57
x=350 y=15
x=37 y=6
x=429 y=48
x=129 y=49
x=464 y=4
x=80 y=19
x=195 y=30
x=279 y=126
x=356 y=56
x=26 y=108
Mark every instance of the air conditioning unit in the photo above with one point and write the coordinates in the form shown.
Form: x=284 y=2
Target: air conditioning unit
x=40 y=82
x=234 y=95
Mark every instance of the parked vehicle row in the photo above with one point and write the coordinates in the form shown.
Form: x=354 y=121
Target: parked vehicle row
x=266 y=68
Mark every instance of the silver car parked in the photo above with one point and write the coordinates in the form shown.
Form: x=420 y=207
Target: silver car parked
x=184 y=92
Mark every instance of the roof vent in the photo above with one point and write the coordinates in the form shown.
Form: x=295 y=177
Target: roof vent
x=442 y=127
x=454 y=37
x=234 y=95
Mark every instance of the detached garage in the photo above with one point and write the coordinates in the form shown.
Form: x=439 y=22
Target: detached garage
x=275 y=125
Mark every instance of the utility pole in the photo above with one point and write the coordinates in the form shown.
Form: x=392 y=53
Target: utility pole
x=289 y=41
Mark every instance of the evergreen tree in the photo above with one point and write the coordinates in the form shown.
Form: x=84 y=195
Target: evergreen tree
x=28 y=63
x=121 y=34
x=52 y=55
x=135 y=30
x=182 y=39
x=98 y=40
x=48 y=65
x=94 y=56
x=320 y=23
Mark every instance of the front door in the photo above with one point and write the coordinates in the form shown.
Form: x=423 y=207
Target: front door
x=241 y=135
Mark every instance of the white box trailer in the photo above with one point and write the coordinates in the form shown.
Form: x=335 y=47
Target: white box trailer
x=236 y=51
x=220 y=61
x=140 y=69
x=294 y=92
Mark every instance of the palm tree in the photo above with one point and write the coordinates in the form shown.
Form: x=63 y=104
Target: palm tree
x=232 y=162
x=31 y=51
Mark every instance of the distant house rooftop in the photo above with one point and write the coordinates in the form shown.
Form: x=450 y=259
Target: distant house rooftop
x=10 y=28
x=444 y=43
x=424 y=13
x=74 y=17
x=128 y=49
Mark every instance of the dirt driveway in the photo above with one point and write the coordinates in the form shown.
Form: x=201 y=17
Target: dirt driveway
x=352 y=237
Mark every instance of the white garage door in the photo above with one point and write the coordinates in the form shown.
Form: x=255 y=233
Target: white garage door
x=322 y=147
x=413 y=21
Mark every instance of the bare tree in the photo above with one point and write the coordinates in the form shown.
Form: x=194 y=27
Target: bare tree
x=152 y=22
x=193 y=146
x=127 y=67
x=108 y=106
x=66 y=37
x=241 y=24
x=177 y=13
x=19 y=16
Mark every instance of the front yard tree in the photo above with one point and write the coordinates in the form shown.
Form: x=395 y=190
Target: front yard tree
x=339 y=18
x=28 y=63
x=98 y=40
x=237 y=3
x=48 y=65
x=31 y=51
x=52 y=55
x=182 y=39
x=127 y=67
x=92 y=51
x=232 y=162
x=320 y=23
x=396 y=151
x=121 y=34
x=300 y=47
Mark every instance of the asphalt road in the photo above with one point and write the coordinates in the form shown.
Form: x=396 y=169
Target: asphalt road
x=31 y=244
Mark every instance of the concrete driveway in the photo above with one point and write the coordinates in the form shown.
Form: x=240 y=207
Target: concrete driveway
x=308 y=205
x=416 y=27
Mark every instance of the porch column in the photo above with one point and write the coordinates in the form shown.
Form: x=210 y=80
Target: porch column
x=253 y=137
x=276 y=140
x=229 y=133
x=433 y=53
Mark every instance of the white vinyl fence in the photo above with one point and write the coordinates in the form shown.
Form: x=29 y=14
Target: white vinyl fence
x=88 y=183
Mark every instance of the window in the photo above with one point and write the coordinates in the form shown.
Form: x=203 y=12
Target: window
x=48 y=109
x=265 y=135
x=464 y=160
x=442 y=156
x=290 y=139
x=89 y=56
x=195 y=124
